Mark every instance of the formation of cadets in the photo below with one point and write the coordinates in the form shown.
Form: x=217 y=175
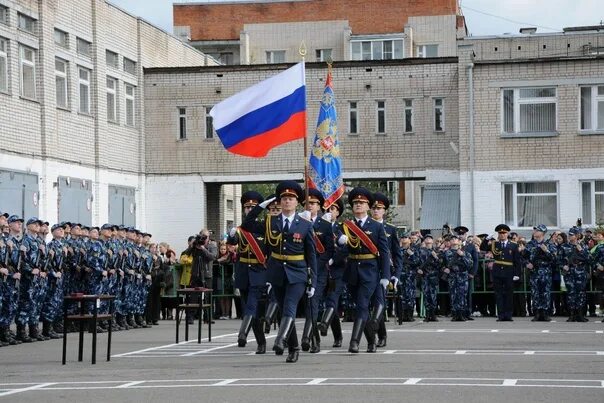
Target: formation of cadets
x=288 y=256
x=35 y=275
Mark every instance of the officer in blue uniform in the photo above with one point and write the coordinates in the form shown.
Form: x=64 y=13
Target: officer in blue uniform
x=429 y=271
x=335 y=281
x=378 y=211
x=274 y=209
x=506 y=270
x=462 y=233
x=411 y=263
x=250 y=273
x=573 y=258
x=291 y=264
x=457 y=263
x=368 y=262
x=53 y=303
x=324 y=245
x=541 y=257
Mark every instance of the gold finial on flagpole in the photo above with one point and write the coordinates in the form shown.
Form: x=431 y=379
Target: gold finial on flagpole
x=302 y=49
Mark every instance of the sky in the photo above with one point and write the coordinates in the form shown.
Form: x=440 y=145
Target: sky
x=483 y=17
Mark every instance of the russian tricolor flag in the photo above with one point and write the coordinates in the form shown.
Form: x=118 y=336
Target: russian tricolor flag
x=264 y=116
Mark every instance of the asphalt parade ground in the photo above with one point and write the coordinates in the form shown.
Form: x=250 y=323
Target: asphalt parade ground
x=478 y=361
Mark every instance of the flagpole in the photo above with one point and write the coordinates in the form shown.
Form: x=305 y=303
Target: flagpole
x=302 y=52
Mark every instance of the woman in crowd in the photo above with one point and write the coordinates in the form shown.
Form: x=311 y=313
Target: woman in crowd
x=168 y=289
x=224 y=280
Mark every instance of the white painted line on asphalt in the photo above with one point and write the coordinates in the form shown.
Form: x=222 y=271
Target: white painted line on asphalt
x=324 y=351
x=459 y=352
x=545 y=331
x=224 y=382
x=529 y=353
x=29 y=388
x=494 y=330
x=438 y=331
x=600 y=352
x=412 y=381
x=388 y=352
x=127 y=385
x=316 y=381
x=509 y=382
x=599 y=331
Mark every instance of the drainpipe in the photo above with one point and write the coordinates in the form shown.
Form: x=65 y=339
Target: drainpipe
x=471 y=133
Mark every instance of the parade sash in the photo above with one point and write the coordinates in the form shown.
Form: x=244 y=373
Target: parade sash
x=362 y=236
x=254 y=245
x=318 y=243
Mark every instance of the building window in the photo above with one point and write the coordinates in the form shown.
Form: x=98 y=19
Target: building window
x=84 y=90
x=61 y=83
x=27 y=24
x=592 y=193
x=3 y=65
x=592 y=108
x=209 y=124
x=323 y=55
x=4 y=14
x=529 y=110
x=112 y=99
x=182 y=123
x=129 y=95
x=527 y=204
x=353 y=117
x=427 y=51
x=408 y=116
x=377 y=50
x=275 y=56
x=229 y=204
x=439 y=114
x=112 y=59
x=381 y=116
x=28 y=72
x=129 y=66
x=84 y=48
x=61 y=38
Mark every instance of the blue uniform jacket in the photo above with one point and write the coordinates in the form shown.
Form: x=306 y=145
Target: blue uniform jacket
x=248 y=273
x=369 y=270
x=324 y=232
x=396 y=257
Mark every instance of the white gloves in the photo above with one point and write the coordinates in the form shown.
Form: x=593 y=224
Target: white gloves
x=267 y=202
x=305 y=215
x=327 y=217
x=232 y=232
x=394 y=281
x=384 y=282
x=310 y=292
x=269 y=287
x=515 y=278
x=342 y=240
x=330 y=263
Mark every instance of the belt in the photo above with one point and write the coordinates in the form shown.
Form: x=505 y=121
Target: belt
x=288 y=258
x=365 y=256
x=504 y=263
x=250 y=260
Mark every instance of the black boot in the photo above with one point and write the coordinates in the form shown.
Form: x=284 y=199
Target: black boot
x=326 y=320
x=545 y=317
x=46 y=329
x=357 y=329
x=428 y=316
x=246 y=325
x=374 y=319
x=336 y=330
x=315 y=339
x=382 y=334
x=34 y=333
x=370 y=336
x=410 y=317
x=572 y=317
x=284 y=328
x=306 y=334
x=537 y=317
x=22 y=335
x=433 y=317
x=259 y=335
x=57 y=326
x=292 y=355
x=580 y=317
x=131 y=322
x=121 y=321
x=269 y=316
x=140 y=321
x=6 y=337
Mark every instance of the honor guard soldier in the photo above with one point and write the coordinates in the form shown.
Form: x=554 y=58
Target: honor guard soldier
x=541 y=257
x=457 y=263
x=53 y=304
x=368 y=262
x=324 y=245
x=378 y=211
x=506 y=270
x=430 y=271
x=411 y=262
x=462 y=233
x=10 y=275
x=250 y=273
x=597 y=257
x=573 y=257
x=336 y=284
x=291 y=265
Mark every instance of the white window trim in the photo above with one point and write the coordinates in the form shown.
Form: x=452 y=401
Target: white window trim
x=115 y=99
x=377 y=117
x=322 y=53
x=23 y=61
x=63 y=75
x=595 y=98
x=126 y=99
x=518 y=101
x=592 y=195
x=272 y=55
x=4 y=55
x=381 y=40
x=515 y=201
x=405 y=109
x=350 y=110
x=81 y=82
x=420 y=50
x=179 y=115
x=443 y=116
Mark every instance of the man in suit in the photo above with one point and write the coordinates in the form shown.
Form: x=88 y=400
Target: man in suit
x=368 y=262
x=506 y=270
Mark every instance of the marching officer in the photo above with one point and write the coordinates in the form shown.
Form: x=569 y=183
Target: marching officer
x=250 y=273
x=506 y=270
x=368 y=262
x=541 y=257
x=291 y=265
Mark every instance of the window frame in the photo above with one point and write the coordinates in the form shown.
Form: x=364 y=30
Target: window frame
x=116 y=65
x=80 y=49
x=514 y=222
x=182 y=116
x=209 y=122
x=24 y=17
x=272 y=53
x=595 y=98
x=86 y=83
x=381 y=110
x=112 y=92
x=4 y=55
x=527 y=101
x=354 y=110
x=6 y=14
x=125 y=62
x=320 y=54
x=64 y=75
x=443 y=120
x=592 y=202
x=371 y=51
x=65 y=44
x=32 y=64
x=129 y=99
x=421 y=50
x=408 y=108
